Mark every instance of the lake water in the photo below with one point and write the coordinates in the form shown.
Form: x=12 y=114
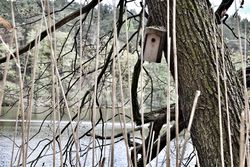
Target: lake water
x=7 y=132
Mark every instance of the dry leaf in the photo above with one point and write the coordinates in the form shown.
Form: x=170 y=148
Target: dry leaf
x=5 y=23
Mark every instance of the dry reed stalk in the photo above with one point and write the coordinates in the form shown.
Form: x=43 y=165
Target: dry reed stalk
x=54 y=72
x=2 y=95
x=78 y=161
x=158 y=149
x=21 y=147
x=150 y=138
x=59 y=122
x=18 y=110
x=168 y=108
x=113 y=106
x=17 y=114
x=176 y=83
x=80 y=79
x=244 y=115
x=141 y=85
x=53 y=78
x=151 y=146
x=105 y=125
x=7 y=47
x=14 y=141
x=169 y=87
x=219 y=93
x=187 y=133
x=133 y=126
x=58 y=118
x=226 y=97
x=21 y=101
x=96 y=84
x=242 y=140
x=197 y=159
x=47 y=23
x=53 y=103
x=53 y=100
x=248 y=115
x=33 y=76
x=123 y=120
x=129 y=88
x=67 y=108
x=29 y=114
x=113 y=88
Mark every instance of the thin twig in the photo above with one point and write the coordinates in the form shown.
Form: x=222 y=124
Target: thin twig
x=176 y=82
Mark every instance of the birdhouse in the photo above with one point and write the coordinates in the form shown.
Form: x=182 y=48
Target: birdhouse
x=154 y=44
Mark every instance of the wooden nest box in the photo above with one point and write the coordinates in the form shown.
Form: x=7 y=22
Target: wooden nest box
x=154 y=44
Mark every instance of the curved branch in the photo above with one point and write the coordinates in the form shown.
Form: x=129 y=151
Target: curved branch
x=135 y=104
x=222 y=9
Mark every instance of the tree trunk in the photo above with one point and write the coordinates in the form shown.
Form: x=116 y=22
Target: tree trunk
x=197 y=71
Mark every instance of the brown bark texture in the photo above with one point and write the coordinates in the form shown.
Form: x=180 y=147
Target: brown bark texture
x=196 y=52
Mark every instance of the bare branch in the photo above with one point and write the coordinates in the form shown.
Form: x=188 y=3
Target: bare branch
x=59 y=24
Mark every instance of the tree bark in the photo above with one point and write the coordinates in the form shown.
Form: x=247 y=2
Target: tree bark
x=197 y=71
